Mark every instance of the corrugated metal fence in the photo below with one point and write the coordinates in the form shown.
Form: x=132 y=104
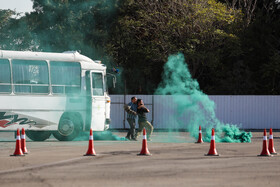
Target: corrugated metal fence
x=250 y=112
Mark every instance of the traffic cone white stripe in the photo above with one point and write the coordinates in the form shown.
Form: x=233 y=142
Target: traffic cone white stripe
x=18 y=137
x=265 y=138
x=91 y=137
x=200 y=131
x=22 y=136
x=212 y=137
x=144 y=137
x=270 y=136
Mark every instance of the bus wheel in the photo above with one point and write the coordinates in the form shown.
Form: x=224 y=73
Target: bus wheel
x=38 y=135
x=68 y=128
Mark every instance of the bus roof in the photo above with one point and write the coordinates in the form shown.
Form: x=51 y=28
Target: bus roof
x=69 y=56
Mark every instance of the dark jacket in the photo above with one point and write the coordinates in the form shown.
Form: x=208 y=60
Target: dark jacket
x=141 y=111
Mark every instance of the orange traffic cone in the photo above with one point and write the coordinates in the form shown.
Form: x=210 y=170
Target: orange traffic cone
x=18 y=151
x=23 y=143
x=91 y=151
x=200 y=136
x=212 y=150
x=265 y=151
x=144 y=150
x=271 y=145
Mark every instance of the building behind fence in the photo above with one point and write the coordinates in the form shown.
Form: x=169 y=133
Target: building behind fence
x=248 y=112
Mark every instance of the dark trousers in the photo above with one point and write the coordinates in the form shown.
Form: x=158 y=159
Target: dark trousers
x=131 y=132
x=148 y=126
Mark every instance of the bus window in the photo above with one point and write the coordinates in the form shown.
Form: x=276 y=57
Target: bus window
x=66 y=77
x=5 y=76
x=30 y=76
x=97 y=84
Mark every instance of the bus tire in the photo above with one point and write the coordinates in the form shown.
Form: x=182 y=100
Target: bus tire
x=69 y=127
x=38 y=135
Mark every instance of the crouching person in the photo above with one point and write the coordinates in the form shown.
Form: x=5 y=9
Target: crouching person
x=142 y=119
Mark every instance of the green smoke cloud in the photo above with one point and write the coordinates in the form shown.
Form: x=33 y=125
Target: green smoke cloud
x=194 y=105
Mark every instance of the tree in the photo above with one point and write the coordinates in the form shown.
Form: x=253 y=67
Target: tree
x=148 y=31
x=59 y=25
x=261 y=48
x=231 y=46
x=14 y=32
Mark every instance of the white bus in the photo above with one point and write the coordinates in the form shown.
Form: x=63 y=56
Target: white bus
x=52 y=93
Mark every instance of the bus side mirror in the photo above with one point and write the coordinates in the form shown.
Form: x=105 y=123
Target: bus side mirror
x=114 y=79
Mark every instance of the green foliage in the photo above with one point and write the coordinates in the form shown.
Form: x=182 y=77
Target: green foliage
x=230 y=48
x=260 y=45
x=72 y=25
x=62 y=25
x=148 y=31
x=14 y=33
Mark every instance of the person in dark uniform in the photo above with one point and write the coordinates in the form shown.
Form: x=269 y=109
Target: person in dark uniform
x=131 y=109
x=142 y=119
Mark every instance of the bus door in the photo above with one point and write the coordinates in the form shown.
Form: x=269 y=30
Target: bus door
x=97 y=101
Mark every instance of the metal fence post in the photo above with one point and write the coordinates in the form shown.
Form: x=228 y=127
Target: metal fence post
x=124 y=102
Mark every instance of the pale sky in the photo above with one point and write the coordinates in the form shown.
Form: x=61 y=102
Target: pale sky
x=17 y=5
